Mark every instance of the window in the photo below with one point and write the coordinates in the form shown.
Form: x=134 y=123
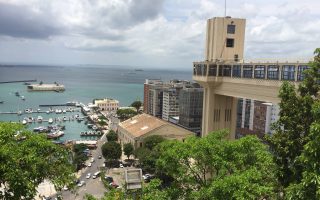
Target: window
x=236 y=57
x=259 y=71
x=230 y=42
x=212 y=70
x=236 y=71
x=301 y=69
x=288 y=72
x=247 y=71
x=225 y=70
x=231 y=29
x=273 y=72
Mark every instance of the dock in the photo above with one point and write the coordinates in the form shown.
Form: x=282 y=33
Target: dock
x=19 y=81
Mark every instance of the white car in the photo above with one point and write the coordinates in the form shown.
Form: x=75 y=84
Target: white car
x=92 y=160
x=90 y=164
x=121 y=165
x=88 y=175
x=81 y=183
x=65 y=188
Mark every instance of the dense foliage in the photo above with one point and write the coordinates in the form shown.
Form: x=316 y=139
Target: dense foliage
x=112 y=136
x=295 y=134
x=215 y=168
x=27 y=159
x=111 y=150
x=152 y=141
x=79 y=155
x=137 y=105
x=128 y=149
x=125 y=114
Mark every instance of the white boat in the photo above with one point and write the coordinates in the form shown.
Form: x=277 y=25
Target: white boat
x=58 y=111
x=22 y=97
x=47 y=111
x=24 y=122
x=30 y=119
x=65 y=118
x=50 y=121
x=39 y=119
x=39 y=109
x=94 y=127
x=64 y=111
x=19 y=113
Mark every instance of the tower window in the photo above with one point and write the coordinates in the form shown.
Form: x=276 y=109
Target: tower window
x=231 y=29
x=230 y=42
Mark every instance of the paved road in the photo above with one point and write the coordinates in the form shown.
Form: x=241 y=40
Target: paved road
x=92 y=186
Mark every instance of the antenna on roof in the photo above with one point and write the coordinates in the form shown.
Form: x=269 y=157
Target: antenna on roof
x=225 y=8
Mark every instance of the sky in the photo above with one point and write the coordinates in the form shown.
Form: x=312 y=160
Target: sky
x=149 y=33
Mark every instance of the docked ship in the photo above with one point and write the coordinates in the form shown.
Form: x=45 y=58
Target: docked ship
x=46 y=87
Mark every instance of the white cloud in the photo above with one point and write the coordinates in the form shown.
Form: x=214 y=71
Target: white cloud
x=158 y=31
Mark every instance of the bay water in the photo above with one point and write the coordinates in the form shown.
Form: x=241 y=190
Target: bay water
x=82 y=84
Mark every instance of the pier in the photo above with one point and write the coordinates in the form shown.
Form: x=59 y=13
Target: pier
x=19 y=81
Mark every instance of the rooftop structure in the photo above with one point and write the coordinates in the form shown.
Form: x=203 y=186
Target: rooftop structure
x=134 y=130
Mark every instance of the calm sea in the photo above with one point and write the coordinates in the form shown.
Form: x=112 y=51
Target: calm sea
x=83 y=84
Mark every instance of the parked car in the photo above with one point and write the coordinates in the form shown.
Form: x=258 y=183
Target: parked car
x=88 y=175
x=92 y=160
x=121 y=165
x=65 y=188
x=147 y=177
x=95 y=175
x=109 y=179
x=114 y=185
x=81 y=183
x=90 y=164
x=99 y=156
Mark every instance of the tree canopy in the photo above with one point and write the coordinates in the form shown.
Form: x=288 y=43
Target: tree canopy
x=137 y=105
x=151 y=141
x=128 y=149
x=126 y=113
x=111 y=150
x=27 y=159
x=292 y=142
x=112 y=136
x=215 y=168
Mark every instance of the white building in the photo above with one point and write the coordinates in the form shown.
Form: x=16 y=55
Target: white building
x=107 y=104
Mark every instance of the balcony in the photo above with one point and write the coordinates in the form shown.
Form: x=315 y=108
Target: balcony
x=210 y=72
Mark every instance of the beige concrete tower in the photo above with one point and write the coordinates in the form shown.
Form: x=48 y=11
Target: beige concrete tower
x=225 y=39
x=225 y=76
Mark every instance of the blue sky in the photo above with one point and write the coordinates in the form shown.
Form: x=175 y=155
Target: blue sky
x=149 y=33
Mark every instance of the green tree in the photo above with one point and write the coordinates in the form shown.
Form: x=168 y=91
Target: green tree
x=79 y=157
x=126 y=113
x=111 y=150
x=27 y=159
x=137 y=105
x=112 y=136
x=293 y=127
x=152 y=141
x=128 y=149
x=215 y=168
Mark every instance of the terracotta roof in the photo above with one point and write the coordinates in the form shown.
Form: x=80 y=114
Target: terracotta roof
x=141 y=124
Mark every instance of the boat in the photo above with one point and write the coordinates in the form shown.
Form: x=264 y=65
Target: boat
x=65 y=118
x=138 y=70
x=50 y=121
x=47 y=111
x=39 y=119
x=19 y=112
x=58 y=111
x=24 y=122
x=55 y=135
x=79 y=119
x=40 y=129
x=90 y=125
x=39 y=109
x=29 y=110
x=17 y=94
x=22 y=97
x=1 y=102
x=94 y=127
x=30 y=120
